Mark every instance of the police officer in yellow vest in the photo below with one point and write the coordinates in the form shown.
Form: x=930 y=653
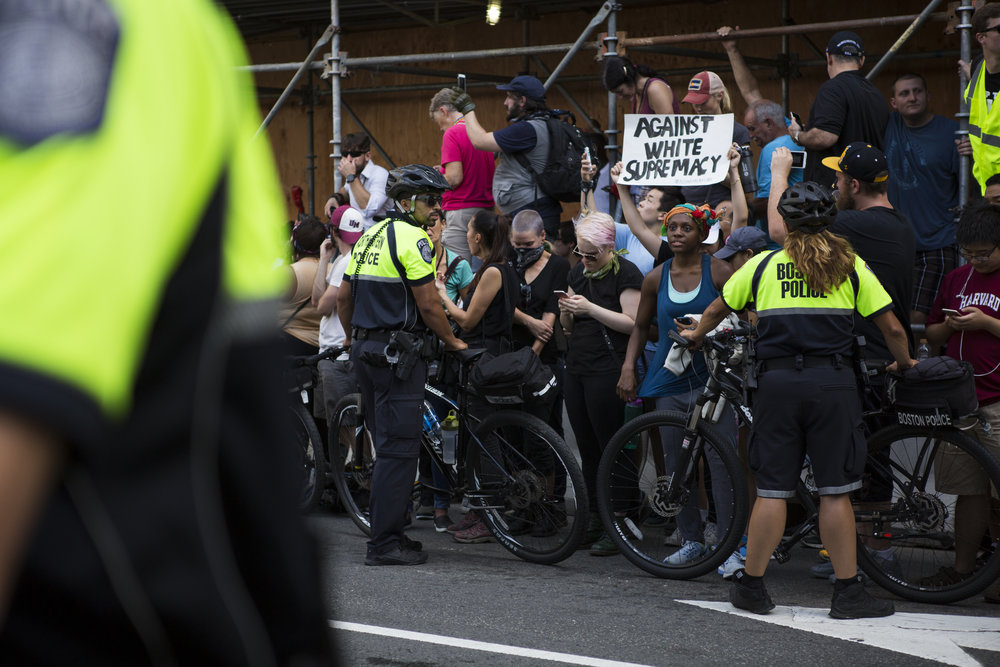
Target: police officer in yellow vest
x=807 y=401
x=981 y=94
x=148 y=498
x=390 y=305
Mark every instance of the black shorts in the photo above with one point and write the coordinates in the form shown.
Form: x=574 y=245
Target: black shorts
x=815 y=411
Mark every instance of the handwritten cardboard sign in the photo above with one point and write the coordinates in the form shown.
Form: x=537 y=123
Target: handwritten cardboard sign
x=676 y=150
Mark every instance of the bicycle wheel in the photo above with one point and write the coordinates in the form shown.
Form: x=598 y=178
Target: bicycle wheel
x=515 y=464
x=639 y=502
x=312 y=463
x=352 y=459
x=916 y=538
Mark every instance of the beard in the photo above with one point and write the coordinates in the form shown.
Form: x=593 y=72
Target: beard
x=845 y=201
x=515 y=112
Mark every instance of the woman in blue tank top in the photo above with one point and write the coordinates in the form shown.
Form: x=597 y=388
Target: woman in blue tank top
x=686 y=284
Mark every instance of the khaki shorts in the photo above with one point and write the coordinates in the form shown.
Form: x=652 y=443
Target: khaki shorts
x=956 y=472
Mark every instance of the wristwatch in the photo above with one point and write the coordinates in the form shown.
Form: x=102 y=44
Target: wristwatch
x=350 y=178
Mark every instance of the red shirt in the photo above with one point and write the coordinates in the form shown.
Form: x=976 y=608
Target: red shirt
x=475 y=190
x=965 y=287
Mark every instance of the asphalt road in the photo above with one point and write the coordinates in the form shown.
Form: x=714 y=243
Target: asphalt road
x=480 y=605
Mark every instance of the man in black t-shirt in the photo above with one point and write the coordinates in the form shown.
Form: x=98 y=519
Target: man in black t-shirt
x=880 y=235
x=847 y=108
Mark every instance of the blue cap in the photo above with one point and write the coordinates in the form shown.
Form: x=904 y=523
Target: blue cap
x=744 y=238
x=525 y=85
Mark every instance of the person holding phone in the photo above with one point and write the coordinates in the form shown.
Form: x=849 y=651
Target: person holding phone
x=766 y=124
x=364 y=181
x=966 y=317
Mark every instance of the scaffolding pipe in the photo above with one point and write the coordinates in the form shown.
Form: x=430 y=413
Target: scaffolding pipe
x=375 y=143
x=599 y=18
x=333 y=64
x=565 y=93
x=779 y=30
x=611 y=49
x=917 y=22
x=786 y=17
x=964 y=161
x=302 y=69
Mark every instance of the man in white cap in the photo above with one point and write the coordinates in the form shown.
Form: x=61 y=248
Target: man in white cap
x=346 y=227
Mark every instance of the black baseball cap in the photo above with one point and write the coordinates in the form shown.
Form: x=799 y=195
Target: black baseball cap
x=861 y=161
x=525 y=85
x=845 y=43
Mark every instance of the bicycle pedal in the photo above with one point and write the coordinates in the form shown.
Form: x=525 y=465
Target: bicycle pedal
x=781 y=555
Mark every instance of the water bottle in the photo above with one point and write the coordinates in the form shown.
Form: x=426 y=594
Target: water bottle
x=924 y=350
x=431 y=426
x=748 y=175
x=449 y=437
x=633 y=409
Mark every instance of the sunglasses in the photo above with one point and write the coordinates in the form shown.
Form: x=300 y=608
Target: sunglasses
x=430 y=200
x=586 y=255
x=995 y=29
x=355 y=153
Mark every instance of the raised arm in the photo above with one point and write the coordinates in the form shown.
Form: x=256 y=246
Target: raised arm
x=745 y=80
x=781 y=167
x=740 y=211
x=649 y=239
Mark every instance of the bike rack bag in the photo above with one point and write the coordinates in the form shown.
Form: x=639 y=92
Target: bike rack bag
x=934 y=392
x=511 y=378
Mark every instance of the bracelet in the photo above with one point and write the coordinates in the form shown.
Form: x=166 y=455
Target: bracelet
x=586 y=186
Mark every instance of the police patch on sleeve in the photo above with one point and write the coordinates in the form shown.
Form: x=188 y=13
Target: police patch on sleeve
x=56 y=59
x=424 y=246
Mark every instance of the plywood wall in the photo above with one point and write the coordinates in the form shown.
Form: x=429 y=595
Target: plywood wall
x=400 y=122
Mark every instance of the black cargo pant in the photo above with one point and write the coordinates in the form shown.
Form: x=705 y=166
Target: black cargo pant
x=393 y=410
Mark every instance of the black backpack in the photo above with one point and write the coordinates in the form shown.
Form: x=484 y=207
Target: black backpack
x=560 y=179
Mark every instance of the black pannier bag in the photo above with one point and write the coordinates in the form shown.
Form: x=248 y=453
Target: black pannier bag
x=935 y=392
x=512 y=378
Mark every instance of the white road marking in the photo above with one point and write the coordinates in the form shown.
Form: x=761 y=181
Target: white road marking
x=519 y=651
x=931 y=636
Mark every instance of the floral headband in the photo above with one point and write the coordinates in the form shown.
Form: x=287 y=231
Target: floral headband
x=703 y=216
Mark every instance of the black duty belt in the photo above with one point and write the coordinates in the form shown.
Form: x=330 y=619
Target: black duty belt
x=800 y=361
x=374 y=335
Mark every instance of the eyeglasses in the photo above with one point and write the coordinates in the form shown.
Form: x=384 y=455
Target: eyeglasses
x=587 y=255
x=430 y=200
x=355 y=153
x=995 y=29
x=978 y=256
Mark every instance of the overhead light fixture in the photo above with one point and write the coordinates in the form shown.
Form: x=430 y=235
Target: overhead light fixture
x=493 y=12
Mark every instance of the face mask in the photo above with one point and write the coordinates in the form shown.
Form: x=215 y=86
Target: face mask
x=528 y=256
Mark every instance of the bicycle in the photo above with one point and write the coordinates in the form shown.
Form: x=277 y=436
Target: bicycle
x=517 y=473
x=637 y=495
x=910 y=516
x=300 y=378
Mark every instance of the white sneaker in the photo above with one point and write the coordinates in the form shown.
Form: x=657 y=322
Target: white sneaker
x=674 y=539
x=690 y=552
x=735 y=561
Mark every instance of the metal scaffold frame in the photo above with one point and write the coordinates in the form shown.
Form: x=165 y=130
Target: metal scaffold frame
x=336 y=63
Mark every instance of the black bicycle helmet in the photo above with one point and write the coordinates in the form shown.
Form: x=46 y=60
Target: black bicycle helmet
x=808 y=207
x=414 y=179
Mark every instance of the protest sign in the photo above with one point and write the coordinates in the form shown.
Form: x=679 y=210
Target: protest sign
x=676 y=150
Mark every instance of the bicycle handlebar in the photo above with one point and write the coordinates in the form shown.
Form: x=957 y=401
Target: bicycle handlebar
x=312 y=360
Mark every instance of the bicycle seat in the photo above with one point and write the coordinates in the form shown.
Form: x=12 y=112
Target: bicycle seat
x=469 y=354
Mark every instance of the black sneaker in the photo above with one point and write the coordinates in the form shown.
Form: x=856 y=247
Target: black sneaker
x=412 y=545
x=751 y=597
x=396 y=556
x=855 y=602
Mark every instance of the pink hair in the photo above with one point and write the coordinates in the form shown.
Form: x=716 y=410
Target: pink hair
x=598 y=229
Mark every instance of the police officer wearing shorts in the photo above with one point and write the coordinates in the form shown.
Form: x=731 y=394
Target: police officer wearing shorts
x=390 y=305
x=807 y=402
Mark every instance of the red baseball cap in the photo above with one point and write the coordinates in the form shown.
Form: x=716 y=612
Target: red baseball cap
x=702 y=86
